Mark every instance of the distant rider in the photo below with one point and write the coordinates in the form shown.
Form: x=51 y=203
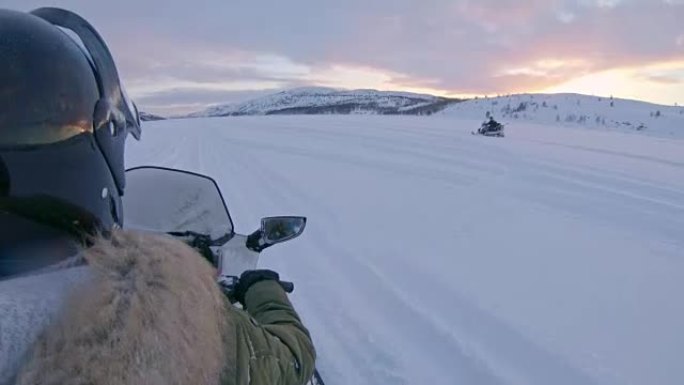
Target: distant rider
x=492 y=125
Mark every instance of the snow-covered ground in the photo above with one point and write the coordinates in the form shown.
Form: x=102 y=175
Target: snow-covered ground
x=431 y=256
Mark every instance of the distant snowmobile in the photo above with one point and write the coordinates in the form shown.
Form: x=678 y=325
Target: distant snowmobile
x=491 y=128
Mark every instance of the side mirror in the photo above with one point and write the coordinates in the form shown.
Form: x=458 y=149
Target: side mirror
x=275 y=230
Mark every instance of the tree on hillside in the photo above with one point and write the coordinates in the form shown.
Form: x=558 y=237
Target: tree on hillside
x=521 y=107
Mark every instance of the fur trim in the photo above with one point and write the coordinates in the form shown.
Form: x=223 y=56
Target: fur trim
x=152 y=315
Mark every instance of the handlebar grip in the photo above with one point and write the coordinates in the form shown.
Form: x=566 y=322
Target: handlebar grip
x=287 y=286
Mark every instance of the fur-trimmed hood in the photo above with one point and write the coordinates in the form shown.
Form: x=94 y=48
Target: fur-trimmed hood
x=153 y=314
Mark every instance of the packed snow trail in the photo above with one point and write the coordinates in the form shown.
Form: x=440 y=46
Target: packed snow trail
x=431 y=256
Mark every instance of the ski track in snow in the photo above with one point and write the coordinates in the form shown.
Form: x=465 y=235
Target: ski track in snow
x=435 y=257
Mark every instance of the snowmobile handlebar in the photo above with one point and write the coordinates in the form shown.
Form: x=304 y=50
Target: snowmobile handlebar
x=203 y=242
x=204 y=238
x=229 y=283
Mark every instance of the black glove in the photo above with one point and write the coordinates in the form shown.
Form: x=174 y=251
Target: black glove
x=249 y=278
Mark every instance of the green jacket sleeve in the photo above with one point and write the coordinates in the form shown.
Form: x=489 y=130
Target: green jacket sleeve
x=278 y=344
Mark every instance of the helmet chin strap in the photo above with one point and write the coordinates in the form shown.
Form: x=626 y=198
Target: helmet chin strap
x=4 y=179
x=54 y=213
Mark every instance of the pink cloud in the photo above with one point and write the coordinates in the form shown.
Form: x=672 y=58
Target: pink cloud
x=467 y=46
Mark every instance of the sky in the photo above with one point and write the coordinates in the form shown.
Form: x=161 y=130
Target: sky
x=181 y=56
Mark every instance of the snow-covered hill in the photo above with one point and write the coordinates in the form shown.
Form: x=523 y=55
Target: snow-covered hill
x=432 y=256
x=147 y=117
x=568 y=110
x=573 y=110
x=318 y=100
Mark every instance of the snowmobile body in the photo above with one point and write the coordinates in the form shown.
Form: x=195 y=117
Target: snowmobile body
x=491 y=129
x=498 y=134
x=190 y=206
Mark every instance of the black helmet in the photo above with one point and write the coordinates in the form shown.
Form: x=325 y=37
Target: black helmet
x=64 y=119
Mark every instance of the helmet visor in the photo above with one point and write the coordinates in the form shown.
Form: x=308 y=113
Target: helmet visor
x=102 y=62
x=48 y=89
x=36 y=134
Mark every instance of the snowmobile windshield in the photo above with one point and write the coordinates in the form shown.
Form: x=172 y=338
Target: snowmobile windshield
x=166 y=200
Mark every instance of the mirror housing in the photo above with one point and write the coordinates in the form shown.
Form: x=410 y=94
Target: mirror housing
x=282 y=229
x=275 y=230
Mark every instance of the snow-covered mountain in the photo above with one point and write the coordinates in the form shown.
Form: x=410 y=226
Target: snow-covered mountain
x=319 y=100
x=590 y=112
x=147 y=117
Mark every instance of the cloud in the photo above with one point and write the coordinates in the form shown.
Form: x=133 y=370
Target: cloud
x=664 y=79
x=603 y=3
x=448 y=46
x=671 y=73
x=565 y=16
